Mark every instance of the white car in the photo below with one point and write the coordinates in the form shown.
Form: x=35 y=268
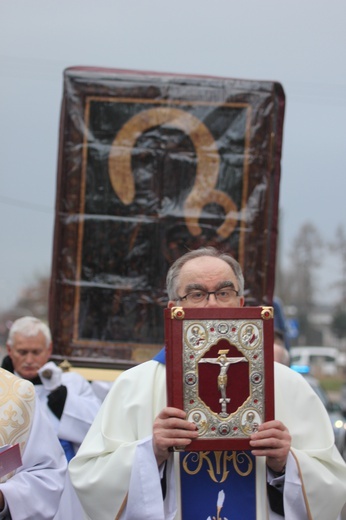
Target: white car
x=324 y=360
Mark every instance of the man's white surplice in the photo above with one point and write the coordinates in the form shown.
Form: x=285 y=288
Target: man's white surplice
x=81 y=407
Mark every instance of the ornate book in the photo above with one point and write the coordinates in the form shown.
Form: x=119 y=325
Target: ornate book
x=220 y=371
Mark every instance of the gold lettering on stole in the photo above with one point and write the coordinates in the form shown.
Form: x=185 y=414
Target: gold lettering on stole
x=218 y=463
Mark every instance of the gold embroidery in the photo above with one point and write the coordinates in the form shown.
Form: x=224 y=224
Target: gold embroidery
x=17 y=401
x=217 y=463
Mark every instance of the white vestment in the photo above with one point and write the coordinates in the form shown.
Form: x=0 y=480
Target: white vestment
x=80 y=408
x=116 y=476
x=35 y=489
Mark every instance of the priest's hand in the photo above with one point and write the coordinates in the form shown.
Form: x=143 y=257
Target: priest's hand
x=171 y=429
x=272 y=440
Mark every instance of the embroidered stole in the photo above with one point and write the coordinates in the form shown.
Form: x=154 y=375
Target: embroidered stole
x=17 y=404
x=218 y=485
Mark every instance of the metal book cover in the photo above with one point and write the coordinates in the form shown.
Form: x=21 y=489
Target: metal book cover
x=220 y=372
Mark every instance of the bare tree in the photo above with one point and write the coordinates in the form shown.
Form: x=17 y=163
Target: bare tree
x=338 y=324
x=339 y=246
x=299 y=284
x=305 y=258
x=32 y=301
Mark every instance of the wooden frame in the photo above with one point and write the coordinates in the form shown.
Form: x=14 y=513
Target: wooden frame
x=150 y=166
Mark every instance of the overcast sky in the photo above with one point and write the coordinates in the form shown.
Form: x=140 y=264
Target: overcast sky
x=300 y=43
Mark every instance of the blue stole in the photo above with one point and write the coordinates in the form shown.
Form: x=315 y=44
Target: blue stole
x=216 y=485
x=68 y=449
x=161 y=356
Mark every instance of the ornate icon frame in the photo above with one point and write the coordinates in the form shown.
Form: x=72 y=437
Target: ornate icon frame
x=190 y=180
x=248 y=334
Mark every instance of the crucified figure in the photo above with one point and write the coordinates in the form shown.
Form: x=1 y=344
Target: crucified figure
x=224 y=363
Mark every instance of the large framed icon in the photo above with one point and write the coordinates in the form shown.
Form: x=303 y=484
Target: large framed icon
x=152 y=165
x=220 y=371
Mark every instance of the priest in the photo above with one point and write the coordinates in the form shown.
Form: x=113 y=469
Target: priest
x=125 y=468
x=67 y=398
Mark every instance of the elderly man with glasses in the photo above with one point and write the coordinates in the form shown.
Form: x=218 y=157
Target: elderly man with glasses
x=125 y=468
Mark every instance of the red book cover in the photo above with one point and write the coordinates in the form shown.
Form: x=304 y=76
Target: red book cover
x=10 y=459
x=220 y=371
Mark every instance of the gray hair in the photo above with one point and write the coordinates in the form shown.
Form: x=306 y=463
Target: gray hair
x=174 y=270
x=28 y=326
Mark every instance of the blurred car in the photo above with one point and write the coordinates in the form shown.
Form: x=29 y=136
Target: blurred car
x=321 y=360
x=334 y=410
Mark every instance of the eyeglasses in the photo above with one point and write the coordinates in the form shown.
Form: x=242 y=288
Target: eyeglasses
x=224 y=295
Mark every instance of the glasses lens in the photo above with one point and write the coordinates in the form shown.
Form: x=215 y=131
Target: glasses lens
x=196 y=296
x=225 y=295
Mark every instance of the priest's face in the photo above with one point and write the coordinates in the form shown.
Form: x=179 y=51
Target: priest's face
x=29 y=354
x=207 y=274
